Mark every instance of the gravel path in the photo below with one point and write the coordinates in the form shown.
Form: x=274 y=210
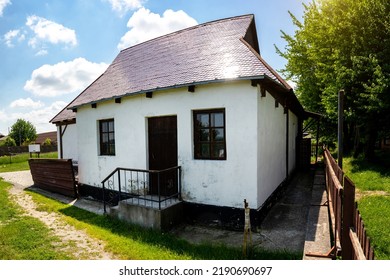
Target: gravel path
x=86 y=246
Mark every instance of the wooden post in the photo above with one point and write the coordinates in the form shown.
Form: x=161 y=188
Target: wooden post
x=247 y=230
x=348 y=218
x=340 y=128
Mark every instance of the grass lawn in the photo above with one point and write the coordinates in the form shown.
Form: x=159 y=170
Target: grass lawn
x=372 y=180
x=20 y=162
x=23 y=237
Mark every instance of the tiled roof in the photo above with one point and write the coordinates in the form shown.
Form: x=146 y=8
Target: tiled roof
x=41 y=137
x=64 y=115
x=210 y=52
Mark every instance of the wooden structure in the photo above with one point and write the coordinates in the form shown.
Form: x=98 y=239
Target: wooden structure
x=55 y=175
x=351 y=240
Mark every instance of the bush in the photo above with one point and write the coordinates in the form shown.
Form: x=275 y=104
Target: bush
x=9 y=142
x=47 y=142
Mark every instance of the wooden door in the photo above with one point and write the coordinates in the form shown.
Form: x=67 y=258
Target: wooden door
x=162 y=138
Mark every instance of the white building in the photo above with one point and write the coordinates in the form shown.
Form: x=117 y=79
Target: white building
x=201 y=98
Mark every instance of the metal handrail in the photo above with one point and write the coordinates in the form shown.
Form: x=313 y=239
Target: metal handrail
x=120 y=193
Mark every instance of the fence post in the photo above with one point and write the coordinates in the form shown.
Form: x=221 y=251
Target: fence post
x=348 y=218
x=340 y=128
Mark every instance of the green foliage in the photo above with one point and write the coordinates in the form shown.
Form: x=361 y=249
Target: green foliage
x=343 y=45
x=23 y=132
x=8 y=142
x=47 y=142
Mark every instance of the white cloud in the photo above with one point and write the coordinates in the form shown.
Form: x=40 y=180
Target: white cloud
x=39 y=118
x=26 y=103
x=123 y=6
x=10 y=36
x=3 y=4
x=145 y=25
x=13 y=35
x=41 y=52
x=49 y=31
x=64 y=77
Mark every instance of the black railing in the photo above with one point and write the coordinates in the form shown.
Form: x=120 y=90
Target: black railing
x=150 y=188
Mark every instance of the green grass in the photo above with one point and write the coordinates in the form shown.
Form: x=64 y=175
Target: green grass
x=133 y=242
x=369 y=176
x=372 y=180
x=23 y=237
x=19 y=162
x=375 y=211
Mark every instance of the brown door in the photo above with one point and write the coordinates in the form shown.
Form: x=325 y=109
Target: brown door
x=162 y=140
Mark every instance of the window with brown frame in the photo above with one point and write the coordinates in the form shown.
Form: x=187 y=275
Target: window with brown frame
x=107 y=137
x=210 y=134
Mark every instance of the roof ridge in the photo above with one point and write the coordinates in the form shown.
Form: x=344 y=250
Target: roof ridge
x=189 y=28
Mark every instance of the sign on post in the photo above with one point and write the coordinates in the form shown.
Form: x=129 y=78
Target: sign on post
x=34 y=148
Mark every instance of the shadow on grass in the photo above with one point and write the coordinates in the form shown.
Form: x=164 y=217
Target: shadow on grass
x=170 y=242
x=380 y=164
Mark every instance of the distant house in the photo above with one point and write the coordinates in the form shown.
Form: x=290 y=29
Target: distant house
x=41 y=137
x=202 y=99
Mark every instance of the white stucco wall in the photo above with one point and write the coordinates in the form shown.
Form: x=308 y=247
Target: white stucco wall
x=69 y=142
x=223 y=183
x=272 y=146
x=293 y=133
x=255 y=142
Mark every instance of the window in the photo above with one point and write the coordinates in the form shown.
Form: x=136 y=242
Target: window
x=107 y=137
x=210 y=134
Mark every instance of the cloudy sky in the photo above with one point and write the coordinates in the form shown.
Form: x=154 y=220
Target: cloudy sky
x=50 y=50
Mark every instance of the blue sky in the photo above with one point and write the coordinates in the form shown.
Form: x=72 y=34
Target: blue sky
x=50 y=50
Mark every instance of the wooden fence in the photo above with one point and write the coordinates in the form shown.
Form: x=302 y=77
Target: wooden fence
x=7 y=151
x=350 y=238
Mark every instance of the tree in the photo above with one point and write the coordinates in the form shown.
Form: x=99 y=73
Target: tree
x=344 y=45
x=23 y=132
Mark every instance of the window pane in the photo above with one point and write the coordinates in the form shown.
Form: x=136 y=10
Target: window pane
x=209 y=134
x=205 y=150
x=111 y=137
x=111 y=126
x=104 y=150
x=217 y=119
x=107 y=137
x=203 y=120
x=104 y=126
x=112 y=149
x=218 y=134
x=218 y=150
x=204 y=135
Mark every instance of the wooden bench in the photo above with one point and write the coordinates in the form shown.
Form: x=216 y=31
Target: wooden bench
x=55 y=175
